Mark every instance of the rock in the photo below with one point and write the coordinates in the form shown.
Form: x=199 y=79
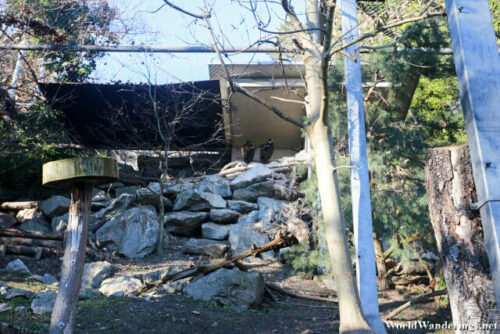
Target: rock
x=250 y=218
x=125 y=285
x=172 y=188
x=174 y=287
x=269 y=208
x=111 y=186
x=118 y=205
x=33 y=220
x=195 y=200
x=89 y=294
x=282 y=253
x=6 y=220
x=146 y=197
x=299 y=229
x=242 y=206
x=95 y=272
x=251 y=193
x=151 y=277
x=206 y=247
x=60 y=223
x=55 y=206
x=15 y=292
x=133 y=233
x=96 y=206
x=48 y=279
x=414 y=267
x=17 y=267
x=184 y=223
x=21 y=309
x=224 y=216
x=216 y=184
x=255 y=174
x=242 y=236
x=233 y=288
x=44 y=302
x=99 y=196
x=131 y=190
x=215 y=231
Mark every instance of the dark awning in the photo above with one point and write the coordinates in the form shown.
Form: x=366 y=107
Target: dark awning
x=129 y=116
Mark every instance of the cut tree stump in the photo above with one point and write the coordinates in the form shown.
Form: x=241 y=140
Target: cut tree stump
x=79 y=174
x=459 y=236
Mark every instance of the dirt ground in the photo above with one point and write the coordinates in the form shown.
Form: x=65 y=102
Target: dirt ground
x=176 y=313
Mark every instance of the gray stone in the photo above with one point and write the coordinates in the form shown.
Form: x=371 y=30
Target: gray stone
x=414 y=267
x=205 y=247
x=233 y=288
x=44 y=302
x=174 y=187
x=151 y=277
x=21 y=309
x=255 y=174
x=15 y=292
x=242 y=206
x=131 y=190
x=125 y=285
x=250 y=218
x=147 y=197
x=251 y=193
x=133 y=233
x=60 y=223
x=54 y=206
x=215 y=231
x=17 y=267
x=96 y=272
x=48 y=279
x=117 y=206
x=216 y=184
x=111 y=186
x=6 y=220
x=174 y=287
x=269 y=208
x=99 y=195
x=242 y=237
x=224 y=216
x=96 y=206
x=282 y=253
x=195 y=200
x=89 y=294
x=33 y=220
x=184 y=223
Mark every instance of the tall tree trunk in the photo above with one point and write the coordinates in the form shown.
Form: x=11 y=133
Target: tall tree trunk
x=63 y=315
x=459 y=236
x=351 y=316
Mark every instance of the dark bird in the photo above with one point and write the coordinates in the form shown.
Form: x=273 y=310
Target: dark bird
x=266 y=151
x=248 y=151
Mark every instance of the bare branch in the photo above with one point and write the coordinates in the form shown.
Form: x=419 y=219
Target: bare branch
x=201 y=17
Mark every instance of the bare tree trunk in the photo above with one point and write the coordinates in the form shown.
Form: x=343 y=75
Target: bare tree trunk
x=162 y=234
x=351 y=316
x=63 y=315
x=383 y=282
x=459 y=236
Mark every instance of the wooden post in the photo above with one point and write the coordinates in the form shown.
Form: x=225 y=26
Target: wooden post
x=477 y=64
x=81 y=174
x=360 y=183
x=459 y=236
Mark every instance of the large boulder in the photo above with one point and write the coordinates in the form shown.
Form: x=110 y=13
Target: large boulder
x=224 y=216
x=146 y=196
x=120 y=286
x=33 y=220
x=17 y=267
x=184 y=223
x=95 y=272
x=131 y=190
x=208 y=247
x=242 y=206
x=43 y=302
x=251 y=193
x=233 y=288
x=133 y=233
x=216 y=184
x=6 y=220
x=54 y=206
x=172 y=188
x=60 y=223
x=249 y=218
x=243 y=236
x=255 y=174
x=269 y=208
x=195 y=200
x=215 y=231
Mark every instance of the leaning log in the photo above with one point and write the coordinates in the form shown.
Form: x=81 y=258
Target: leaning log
x=30 y=251
x=16 y=206
x=12 y=232
x=14 y=241
x=459 y=236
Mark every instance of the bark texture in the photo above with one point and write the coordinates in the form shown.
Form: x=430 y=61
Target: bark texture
x=63 y=315
x=459 y=237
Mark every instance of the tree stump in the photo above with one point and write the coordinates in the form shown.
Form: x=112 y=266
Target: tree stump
x=79 y=174
x=459 y=237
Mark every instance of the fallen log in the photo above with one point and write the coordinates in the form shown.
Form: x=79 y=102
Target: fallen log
x=208 y=268
x=37 y=252
x=16 y=241
x=12 y=232
x=414 y=301
x=16 y=206
x=300 y=295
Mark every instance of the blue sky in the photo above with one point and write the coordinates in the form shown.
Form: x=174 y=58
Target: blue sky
x=168 y=27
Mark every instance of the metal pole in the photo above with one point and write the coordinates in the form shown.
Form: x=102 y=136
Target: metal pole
x=477 y=64
x=360 y=183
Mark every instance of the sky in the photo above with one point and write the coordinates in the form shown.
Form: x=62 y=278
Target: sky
x=234 y=24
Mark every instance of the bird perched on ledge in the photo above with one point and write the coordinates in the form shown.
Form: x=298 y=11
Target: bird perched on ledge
x=266 y=151
x=248 y=151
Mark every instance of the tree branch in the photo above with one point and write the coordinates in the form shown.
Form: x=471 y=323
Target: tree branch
x=201 y=17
